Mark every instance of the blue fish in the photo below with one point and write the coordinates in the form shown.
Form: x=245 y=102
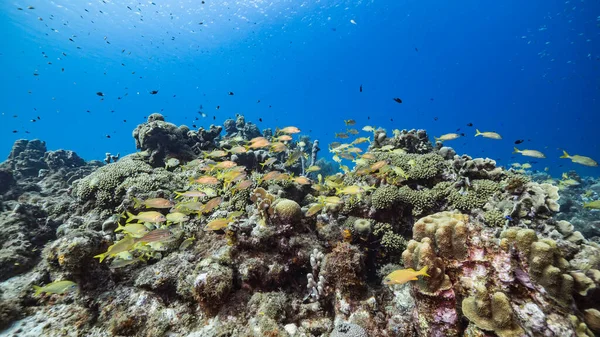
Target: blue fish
x=507 y=217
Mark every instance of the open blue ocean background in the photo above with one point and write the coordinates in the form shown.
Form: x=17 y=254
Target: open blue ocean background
x=525 y=69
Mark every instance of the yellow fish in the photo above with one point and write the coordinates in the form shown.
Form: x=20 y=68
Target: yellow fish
x=313 y=168
x=152 y=203
x=314 y=209
x=349 y=122
x=57 y=287
x=592 y=204
x=492 y=135
x=448 y=136
x=151 y=216
x=402 y=276
x=118 y=247
x=530 y=153
x=587 y=161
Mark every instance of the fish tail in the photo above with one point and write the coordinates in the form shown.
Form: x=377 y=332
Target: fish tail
x=119 y=228
x=436 y=139
x=130 y=217
x=516 y=150
x=477 y=132
x=565 y=154
x=38 y=290
x=137 y=203
x=423 y=271
x=101 y=257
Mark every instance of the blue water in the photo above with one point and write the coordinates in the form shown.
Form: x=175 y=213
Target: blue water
x=525 y=69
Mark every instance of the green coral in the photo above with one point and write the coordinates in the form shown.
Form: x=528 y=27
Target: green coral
x=288 y=211
x=381 y=228
x=106 y=187
x=475 y=197
x=362 y=227
x=385 y=197
x=350 y=205
x=420 y=200
x=491 y=313
x=417 y=166
x=393 y=242
x=494 y=218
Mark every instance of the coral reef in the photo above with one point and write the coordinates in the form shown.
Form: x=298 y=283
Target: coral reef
x=246 y=232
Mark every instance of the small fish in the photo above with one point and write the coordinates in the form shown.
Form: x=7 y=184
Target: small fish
x=187 y=243
x=151 y=216
x=351 y=190
x=152 y=203
x=448 y=136
x=378 y=165
x=530 y=153
x=172 y=163
x=301 y=180
x=215 y=154
x=350 y=122
x=242 y=185
x=402 y=276
x=314 y=210
x=118 y=247
x=206 y=180
x=492 y=135
x=353 y=22
x=289 y=130
x=211 y=204
x=177 y=217
x=313 y=168
x=368 y=128
x=258 y=143
x=268 y=162
x=190 y=194
x=134 y=229
x=278 y=147
x=507 y=217
x=526 y=166
x=352 y=131
x=360 y=88
x=217 y=224
x=592 y=204
x=120 y=263
x=230 y=93
x=153 y=92
x=56 y=287
x=100 y=93
x=397 y=100
x=157 y=235
x=361 y=140
x=587 y=161
x=341 y=135
x=284 y=138
x=469 y=124
x=238 y=150
x=519 y=141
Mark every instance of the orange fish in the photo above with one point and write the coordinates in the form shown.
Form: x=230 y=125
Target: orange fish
x=378 y=165
x=217 y=224
x=224 y=165
x=211 y=204
x=208 y=180
x=151 y=216
x=284 y=138
x=190 y=194
x=301 y=180
x=152 y=203
x=259 y=144
x=290 y=130
x=402 y=276
x=278 y=147
x=238 y=150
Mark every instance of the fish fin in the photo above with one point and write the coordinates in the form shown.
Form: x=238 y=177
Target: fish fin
x=130 y=217
x=436 y=139
x=101 y=257
x=477 y=132
x=565 y=154
x=38 y=290
x=119 y=228
x=136 y=203
x=516 y=150
x=423 y=271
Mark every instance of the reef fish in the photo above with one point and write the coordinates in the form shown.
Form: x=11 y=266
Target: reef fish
x=530 y=153
x=57 y=287
x=587 y=161
x=151 y=216
x=120 y=246
x=177 y=217
x=448 y=136
x=152 y=203
x=592 y=204
x=157 y=235
x=402 y=276
x=492 y=135
x=290 y=130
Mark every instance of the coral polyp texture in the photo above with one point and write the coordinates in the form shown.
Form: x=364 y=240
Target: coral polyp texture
x=236 y=231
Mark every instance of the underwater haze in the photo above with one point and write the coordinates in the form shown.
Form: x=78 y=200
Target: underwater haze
x=528 y=70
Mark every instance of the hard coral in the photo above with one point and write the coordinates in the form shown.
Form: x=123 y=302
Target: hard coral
x=344 y=268
x=385 y=197
x=491 y=313
x=287 y=211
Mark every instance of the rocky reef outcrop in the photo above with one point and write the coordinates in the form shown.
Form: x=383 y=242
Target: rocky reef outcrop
x=242 y=233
